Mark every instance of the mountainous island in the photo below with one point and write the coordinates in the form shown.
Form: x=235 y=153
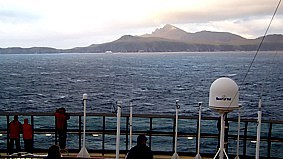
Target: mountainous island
x=168 y=39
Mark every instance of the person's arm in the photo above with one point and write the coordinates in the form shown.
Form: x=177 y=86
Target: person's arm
x=67 y=116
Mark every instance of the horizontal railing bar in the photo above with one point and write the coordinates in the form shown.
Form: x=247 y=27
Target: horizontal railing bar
x=135 y=115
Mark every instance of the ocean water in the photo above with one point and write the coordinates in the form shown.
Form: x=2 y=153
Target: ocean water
x=151 y=81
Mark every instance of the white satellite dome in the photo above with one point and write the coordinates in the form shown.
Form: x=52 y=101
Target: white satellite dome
x=224 y=95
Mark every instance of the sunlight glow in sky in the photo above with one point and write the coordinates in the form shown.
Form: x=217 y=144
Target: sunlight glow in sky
x=76 y=23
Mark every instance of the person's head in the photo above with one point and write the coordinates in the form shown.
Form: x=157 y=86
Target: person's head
x=26 y=120
x=141 y=140
x=54 y=152
x=61 y=110
x=16 y=117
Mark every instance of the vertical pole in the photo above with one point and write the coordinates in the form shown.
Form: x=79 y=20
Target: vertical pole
x=119 y=105
x=103 y=135
x=238 y=137
x=258 y=130
x=176 y=126
x=80 y=131
x=199 y=122
x=56 y=132
x=8 y=136
x=32 y=129
x=84 y=99
x=127 y=133
x=245 y=139
x=83 y=152
x=221 y=150
x=199 y=119
x=175 y=155
x=221 y=153
x=131 y=124
x=150 y=130
x=269 y=140
x=173 y=132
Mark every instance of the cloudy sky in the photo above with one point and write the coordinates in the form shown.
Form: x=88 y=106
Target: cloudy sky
x=74 y=23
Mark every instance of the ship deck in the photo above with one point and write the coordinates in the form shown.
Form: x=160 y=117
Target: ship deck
x=92 y=155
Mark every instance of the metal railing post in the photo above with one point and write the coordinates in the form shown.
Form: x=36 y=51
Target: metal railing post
x=8 y=137
x=127 y=132
x=150 y=130
x=196 y=134
x=245 y=140
x=80 y=132
x=103 y=135
x=173 y=132
x=56 y=142
x=269 y=140
x=32 y=129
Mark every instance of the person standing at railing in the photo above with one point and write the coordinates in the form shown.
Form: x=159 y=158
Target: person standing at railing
x=27 y=136
x=14 y=130
x=140 y=151
x=61 y=118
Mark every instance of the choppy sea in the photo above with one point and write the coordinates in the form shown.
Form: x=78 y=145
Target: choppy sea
x=151 y=81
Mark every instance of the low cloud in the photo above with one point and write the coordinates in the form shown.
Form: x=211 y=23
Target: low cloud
x=67 y=24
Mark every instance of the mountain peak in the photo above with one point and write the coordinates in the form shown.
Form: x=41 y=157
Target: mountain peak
x=169 y=27
x=168 y=32
x=126 y=37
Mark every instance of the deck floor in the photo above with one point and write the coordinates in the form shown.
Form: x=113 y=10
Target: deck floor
x=122 y=156
x=100 y=156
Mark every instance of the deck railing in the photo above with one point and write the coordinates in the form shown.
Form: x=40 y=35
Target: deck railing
x=160 y=129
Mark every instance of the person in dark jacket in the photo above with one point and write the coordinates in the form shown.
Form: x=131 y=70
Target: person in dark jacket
x=140 y=151
x=61 y=118
x=14 y=130
x=53 y=152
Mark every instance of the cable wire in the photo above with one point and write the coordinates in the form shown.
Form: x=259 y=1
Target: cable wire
x=257 y=51
x=261 y=42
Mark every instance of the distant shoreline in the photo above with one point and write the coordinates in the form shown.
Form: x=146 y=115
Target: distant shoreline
x=204 y=52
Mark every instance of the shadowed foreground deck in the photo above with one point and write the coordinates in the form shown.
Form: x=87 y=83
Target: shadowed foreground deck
x=93 y=156
x=109 y=156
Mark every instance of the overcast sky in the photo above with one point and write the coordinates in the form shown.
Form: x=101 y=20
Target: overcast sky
x=78 y=23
